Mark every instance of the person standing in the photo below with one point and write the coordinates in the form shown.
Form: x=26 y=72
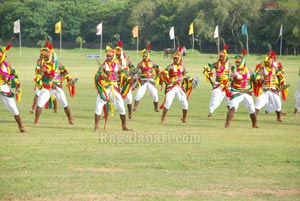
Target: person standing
x=38 y=66
x=49 y=80
x=9 y=79
x=173 y=76
x=271 y=83
x=149 y=72
x=125 y=77
x=105 y=80
x=283 y=93
x=220 y=86
x=241 y=89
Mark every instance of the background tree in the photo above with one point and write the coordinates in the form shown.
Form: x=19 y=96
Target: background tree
x=154 y=18
x=79 y=40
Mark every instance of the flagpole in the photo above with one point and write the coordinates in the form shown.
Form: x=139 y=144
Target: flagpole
x=247 y=45
x=174 y=42
x=60 y=42
x=20 y=42
x=218 y=45
x=280 y=44
x=137 y=46
x=193 y=42
x=100 y=46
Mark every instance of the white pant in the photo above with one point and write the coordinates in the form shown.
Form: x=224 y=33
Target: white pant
x=180 y=95
x=8 y=102
x=142 y=90
x=128 y=98
x=58 y=93
x=37 y=91
x=116 y=99
x=246 y=99
x=297 y=97
x=217 y=96
x=269 y=99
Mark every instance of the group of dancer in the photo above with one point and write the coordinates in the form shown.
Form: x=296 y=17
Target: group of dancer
x=236 y=83
x=49 y=78
x=117 y=77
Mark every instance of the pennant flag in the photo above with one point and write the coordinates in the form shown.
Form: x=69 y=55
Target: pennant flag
x=280 y=32
x=135 y=31
x=99 y=29
x=17 y=26
x=171 y=33
x=216 y=32
x=244 y=29
x=58 y=27
x=191 y=29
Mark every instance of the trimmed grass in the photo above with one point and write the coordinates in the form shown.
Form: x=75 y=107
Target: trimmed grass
x=199 y=160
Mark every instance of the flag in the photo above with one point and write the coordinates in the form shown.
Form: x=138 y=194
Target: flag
x=171 y=33
x=17 y=26
x=191 y=29
x=58 y=27
x=216 y=32
x=244 y=29
x=280 y=32
x=135 y=31
x=99 y=29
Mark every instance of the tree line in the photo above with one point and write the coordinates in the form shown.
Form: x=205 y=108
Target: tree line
x=154 y=19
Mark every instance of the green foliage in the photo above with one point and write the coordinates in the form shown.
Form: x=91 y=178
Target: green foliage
x=154 y=18
x=79 y=40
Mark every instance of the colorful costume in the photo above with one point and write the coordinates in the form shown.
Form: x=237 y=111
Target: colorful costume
x=149 y=73
x=174 y=76
x=220 y=86
x=106 y=84
x=9 y=79
x=284 y=92
x=124 y=77
x=241 y=90
x=39 y=65
x=49 y=80
x=271 y=83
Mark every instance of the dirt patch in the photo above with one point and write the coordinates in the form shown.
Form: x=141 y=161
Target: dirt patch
x=249 y=192
x=100 y=169
x=6 y=157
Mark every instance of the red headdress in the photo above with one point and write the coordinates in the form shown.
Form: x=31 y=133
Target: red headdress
x=224 y=51
x=272 y=54
x=119 y=48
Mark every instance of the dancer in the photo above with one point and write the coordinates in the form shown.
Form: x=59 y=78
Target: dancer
x=241 y=89
x=149 y=73
x=106 y=84
x=220 y=86
x=9 y=79
x=49 y=80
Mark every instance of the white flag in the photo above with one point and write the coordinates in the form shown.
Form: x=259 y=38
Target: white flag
x=17 y=26
x=99 y=29
x=280 y=32
x=171 y=33
x=216 y=32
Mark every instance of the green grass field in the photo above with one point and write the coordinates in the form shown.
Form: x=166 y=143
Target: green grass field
x=199 y=160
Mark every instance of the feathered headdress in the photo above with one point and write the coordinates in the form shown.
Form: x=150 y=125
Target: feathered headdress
x=3 y=52
x=241 y=58
x=224 y=51
x=178 y=55
x=119 y=48
x=272 y=54
x=147 y=51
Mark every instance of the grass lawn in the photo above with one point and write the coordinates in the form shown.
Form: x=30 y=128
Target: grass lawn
x=199 y=160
